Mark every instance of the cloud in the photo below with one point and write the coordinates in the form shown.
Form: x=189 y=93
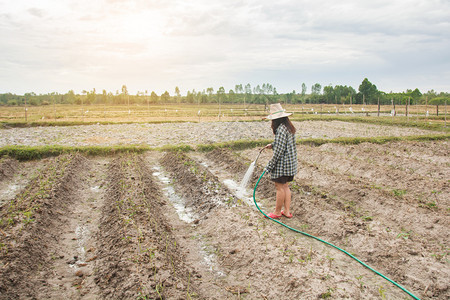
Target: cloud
x=203 y=43
x=36 y=12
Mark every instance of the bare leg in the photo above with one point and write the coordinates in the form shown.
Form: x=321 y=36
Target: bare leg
x=280 y=198
x=287 y=199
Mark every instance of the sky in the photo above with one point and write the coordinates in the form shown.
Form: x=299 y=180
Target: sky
x=157 y=45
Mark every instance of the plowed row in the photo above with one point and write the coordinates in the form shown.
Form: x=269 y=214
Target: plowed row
x=82 y=228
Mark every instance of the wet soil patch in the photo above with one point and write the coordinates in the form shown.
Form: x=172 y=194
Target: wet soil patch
x=8 y=167
x=202 y=190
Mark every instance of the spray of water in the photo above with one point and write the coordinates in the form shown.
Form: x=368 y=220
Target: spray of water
x=247 y=175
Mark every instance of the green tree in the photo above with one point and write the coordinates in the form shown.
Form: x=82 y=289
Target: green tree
x=416 y=95
x=369 y=91
x=165 y=97
x=303 y=92
x=248 y=93
x=231 y=96
x=125 y=96
x=328 y=93
x=210 y=92
x=104 y=97
x=153 y=97
x=90 y=97
x=316 y=89
x=190 y=97
x=177 y=93
x=238 y=89
x=220 y=94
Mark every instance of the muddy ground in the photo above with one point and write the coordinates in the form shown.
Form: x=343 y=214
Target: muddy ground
x=177 y=226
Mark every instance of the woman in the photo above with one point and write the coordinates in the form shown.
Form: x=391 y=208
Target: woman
x=283 y=165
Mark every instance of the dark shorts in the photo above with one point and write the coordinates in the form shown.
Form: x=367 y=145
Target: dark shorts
x=283 y=179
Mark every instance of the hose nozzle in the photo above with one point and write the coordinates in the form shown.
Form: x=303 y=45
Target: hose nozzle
x=260 y=151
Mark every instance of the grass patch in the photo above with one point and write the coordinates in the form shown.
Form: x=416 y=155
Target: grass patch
x=174 y=148
x=235 y=145
x=38 y=152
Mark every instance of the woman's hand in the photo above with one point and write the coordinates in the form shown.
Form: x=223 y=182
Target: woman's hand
x=268 y=146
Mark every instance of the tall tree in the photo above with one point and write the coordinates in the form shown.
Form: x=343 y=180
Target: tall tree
x=415 y=95
x=165 y=97
x=210 y=92
x=153 y=97
x=177 y=93
x=328 y=93
x=104 y=97
x=238 y=89
x=316 y=89
x=368 y=90
x=303 y=89
x=248 y=93
x=125 y=94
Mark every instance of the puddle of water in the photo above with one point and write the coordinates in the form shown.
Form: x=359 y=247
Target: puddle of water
x=240 y=192
x=82 y=234
x=10 y=192
x=210 y=260
x=185 y=214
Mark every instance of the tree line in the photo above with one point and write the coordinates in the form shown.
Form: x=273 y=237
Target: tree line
x=244 y=94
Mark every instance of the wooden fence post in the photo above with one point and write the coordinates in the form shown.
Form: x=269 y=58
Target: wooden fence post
x=26 y=109
x=378 y=106
x=406 y=107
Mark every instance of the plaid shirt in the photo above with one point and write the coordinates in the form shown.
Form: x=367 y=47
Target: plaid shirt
x=284 y=159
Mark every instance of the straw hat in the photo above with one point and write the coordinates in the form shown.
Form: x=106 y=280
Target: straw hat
x=276 y=112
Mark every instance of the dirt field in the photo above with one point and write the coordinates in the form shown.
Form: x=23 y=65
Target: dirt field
x=176 y=225
x=188 y=133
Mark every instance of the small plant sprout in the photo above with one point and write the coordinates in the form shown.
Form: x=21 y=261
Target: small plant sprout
x=382 y=292
x=404 y=234
x=330 y=260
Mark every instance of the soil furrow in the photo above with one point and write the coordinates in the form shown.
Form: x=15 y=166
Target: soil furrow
x=395 y=180
x=137 y=255
x=71 y=275
x=426 y=160
x=30 y=225
x=116 y=227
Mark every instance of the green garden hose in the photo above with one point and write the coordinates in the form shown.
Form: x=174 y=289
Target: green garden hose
x=304 y=233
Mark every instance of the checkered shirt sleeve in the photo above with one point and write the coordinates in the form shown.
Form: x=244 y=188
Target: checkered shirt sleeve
x=284 y=159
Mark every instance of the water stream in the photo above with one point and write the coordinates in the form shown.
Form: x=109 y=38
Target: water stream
x=185 y=214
